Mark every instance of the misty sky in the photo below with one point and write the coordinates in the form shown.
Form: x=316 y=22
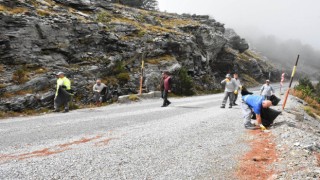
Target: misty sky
x=286 y=19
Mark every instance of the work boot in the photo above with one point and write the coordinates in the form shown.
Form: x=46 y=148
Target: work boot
x=230 y=106
x=222 y=106
x=56 y=110
x=66 y=110
x=250 y=126
x=164 y=106
x=235 y=104
x=168 y=103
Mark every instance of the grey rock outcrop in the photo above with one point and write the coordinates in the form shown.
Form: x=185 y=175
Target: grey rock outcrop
x=97 y=39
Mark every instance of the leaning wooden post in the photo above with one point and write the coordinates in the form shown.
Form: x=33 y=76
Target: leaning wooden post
x=291 y=79
x=142 y=74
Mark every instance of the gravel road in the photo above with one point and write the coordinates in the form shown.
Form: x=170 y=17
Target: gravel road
x=191 y=139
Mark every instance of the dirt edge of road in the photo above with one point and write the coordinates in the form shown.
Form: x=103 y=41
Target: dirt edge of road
x=255 y=164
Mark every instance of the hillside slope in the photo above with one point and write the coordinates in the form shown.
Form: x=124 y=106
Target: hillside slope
x=102 y=40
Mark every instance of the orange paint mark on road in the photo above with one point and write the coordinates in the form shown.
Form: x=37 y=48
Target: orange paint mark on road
x=103 y=142
x=318 y=158
x=81 y=141
x=255 y=164
x=40 y=153
x=46 y=151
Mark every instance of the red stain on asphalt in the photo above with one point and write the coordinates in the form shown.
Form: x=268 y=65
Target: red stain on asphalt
x=40 y=153
x=103 y=142
x=318 y=158
x=255 y=164
x=50 y=151
x=81 y=141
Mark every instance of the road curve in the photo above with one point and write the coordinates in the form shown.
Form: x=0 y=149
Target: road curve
x=193 y=138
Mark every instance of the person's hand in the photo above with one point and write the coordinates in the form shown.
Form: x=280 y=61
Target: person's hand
x=235 y=91
x=169 y=91
x=227 y=80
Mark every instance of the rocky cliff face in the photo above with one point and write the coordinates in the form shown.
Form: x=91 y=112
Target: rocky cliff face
x=97 y=39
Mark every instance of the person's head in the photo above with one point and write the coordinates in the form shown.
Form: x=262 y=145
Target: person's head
x=228 y=76
x=98 y=81
x=266 y=103
x=235 y=75
x=268 y=81
x=166 y=74
x=60 y=74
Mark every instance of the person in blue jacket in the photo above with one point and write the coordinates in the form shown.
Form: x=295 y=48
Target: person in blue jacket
x=253 y=103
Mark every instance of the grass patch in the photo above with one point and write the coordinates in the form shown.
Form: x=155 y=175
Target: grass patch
x=157 y=60
x=123 y=77
x=1 y=68
x=3 y=86
x=18 y=93
x=247 y=55
x=309 y=111
x=249 y=81
x=20 y=76
x=104 y=17
x=27 y=112
x=41 y=70
x=143 y=28
x=314 y=106
x=133 y=97
x=45 y=13
x=173 y=23
x=16 y=10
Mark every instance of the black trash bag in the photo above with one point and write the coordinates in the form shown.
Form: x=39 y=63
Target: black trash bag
x=244 y=91
x=63 y=96
x=275 y=100
x=268 y=115
x=103 y=94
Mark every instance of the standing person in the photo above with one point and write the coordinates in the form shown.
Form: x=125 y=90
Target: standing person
x=62 y=96
x=162 y=84
x=253 y=103
x=230 y=88
x=97 y=90
x=167 y=89
x=267 y=90
x=236 y=92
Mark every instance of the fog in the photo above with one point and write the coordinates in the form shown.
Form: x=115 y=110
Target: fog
x=280 y=29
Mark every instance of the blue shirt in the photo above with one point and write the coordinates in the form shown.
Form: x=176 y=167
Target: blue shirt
x=254 y=102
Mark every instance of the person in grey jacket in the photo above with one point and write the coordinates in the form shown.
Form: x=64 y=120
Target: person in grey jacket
x=266 y=90
x=236 y=78
x=230 y=88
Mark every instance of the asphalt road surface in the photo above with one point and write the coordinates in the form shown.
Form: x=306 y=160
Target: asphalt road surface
x=193 y=138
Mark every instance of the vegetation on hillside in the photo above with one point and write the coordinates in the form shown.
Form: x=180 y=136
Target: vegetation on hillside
x=142 y=4
x=309 y=93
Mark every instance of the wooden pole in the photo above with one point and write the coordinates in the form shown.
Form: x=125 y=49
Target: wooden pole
x=142 y=74
x=291 y=79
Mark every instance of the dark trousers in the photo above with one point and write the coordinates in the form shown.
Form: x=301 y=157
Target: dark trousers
x=57 y=105
x=165 y=98
x=235 y=97
x=267 y=97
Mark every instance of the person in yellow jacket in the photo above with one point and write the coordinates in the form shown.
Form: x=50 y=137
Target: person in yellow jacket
x=62 y=82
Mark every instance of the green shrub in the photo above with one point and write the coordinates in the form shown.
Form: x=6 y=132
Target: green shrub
x=103 y=17
x=184 y=83
x=20 y=76
x=304 y=82
x=119 y=67
x=123 y=78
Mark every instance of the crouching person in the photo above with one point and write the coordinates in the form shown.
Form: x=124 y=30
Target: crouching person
x=99 y=90
x=62 y=96
x=253 y=103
